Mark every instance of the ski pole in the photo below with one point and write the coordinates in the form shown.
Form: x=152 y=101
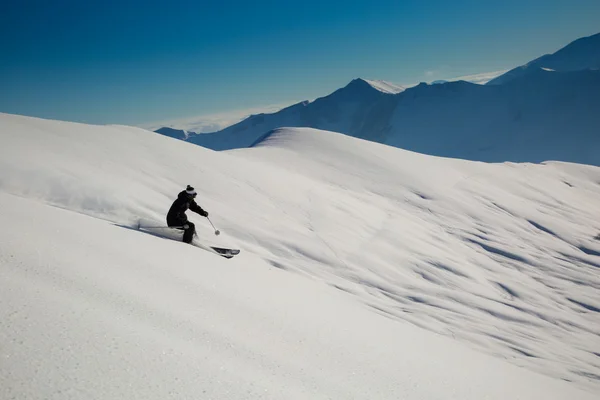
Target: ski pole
x=217 y=232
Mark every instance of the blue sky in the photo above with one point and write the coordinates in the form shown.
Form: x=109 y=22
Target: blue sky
x=135 y=62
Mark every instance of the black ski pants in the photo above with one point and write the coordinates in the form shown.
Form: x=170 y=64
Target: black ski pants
x=188 y=234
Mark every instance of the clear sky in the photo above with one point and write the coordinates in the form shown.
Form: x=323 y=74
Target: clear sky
x=135 y=62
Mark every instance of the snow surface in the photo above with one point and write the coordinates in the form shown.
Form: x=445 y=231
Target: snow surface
x=366 y=271
x=385 y=87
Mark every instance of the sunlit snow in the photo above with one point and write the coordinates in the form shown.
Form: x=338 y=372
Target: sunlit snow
x=366 y=271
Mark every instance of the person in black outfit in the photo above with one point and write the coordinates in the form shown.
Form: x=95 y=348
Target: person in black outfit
x=176 y=216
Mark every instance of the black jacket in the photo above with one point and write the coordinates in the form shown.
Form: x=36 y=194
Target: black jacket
x=176 y=215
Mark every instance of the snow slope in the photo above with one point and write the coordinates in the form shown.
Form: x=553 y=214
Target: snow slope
x=366 y=271
x=581 y=54
x=385 y=87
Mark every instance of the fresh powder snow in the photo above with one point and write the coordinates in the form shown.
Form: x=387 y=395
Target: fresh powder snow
x=366 y=271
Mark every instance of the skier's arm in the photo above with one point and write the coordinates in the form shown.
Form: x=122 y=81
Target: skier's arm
x=197 y=209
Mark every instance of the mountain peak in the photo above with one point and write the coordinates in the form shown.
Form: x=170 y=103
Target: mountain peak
x=580 y=54
x=379 y=85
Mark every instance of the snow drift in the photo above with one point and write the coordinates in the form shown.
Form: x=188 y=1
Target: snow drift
x=367 y=271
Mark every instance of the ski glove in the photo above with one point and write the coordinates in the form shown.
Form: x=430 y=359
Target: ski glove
x=205 y=214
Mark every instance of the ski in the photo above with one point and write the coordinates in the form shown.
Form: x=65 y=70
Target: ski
x=175 y=233
x=225 y=252
x=221 y=251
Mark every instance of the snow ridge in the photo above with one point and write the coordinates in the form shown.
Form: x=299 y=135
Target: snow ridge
x=385 y=87
x=581 y=54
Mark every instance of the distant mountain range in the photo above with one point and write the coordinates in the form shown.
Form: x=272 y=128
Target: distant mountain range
x=582 y=54
x=545 y=110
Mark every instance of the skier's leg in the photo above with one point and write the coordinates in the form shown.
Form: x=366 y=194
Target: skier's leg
x=175 y=222
x=188 y=234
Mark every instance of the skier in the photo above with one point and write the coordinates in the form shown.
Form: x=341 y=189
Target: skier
x=176 y=216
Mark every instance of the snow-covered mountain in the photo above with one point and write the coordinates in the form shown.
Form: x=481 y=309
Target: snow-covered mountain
x=181 y=134
x=342 y=111
x=538 y=117
x=582 y=54
x=366 y=271
x=539 y=114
